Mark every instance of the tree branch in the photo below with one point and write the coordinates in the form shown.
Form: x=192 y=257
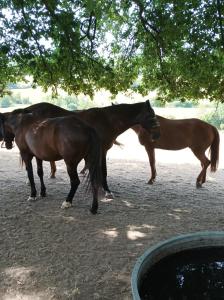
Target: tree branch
x=154 y=33
x=87 y=34
x=36 y=41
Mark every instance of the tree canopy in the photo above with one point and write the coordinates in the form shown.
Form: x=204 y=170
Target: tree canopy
x=176 y=47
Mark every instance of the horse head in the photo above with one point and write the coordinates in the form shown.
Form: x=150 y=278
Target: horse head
x=149 y=121
x=6 y=133
x=8 y=125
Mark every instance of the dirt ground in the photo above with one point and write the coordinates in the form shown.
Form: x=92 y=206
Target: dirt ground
x=48 y=253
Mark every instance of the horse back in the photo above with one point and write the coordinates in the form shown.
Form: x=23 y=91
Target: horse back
x=47 y=110
x=57 y=138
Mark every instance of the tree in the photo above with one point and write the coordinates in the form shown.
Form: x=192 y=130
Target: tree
x=176 y=47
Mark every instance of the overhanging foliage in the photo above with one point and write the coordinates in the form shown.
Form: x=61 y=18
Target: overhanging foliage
x=176 y=47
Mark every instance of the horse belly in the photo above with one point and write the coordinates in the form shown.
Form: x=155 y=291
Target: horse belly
x=42 y=146
x=172 y=141
x=45 y=153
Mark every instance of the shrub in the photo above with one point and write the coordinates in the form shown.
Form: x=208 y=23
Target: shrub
x=26 y=100
x=222 y=126
x=183 y=104
x=71 y=106
x=158 y=103
x=216 y=117
x=71 y=102
x=6 y=102
x=12 y=100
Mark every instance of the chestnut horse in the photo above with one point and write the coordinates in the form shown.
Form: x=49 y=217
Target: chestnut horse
x=53 y=139
x=109 y=122
x=179 y=134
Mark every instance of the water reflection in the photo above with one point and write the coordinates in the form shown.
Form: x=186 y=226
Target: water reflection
x=188 y=275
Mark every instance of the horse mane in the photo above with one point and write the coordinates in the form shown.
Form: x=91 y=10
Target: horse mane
x=21 y=111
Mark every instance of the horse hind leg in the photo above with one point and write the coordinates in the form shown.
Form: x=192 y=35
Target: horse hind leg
x=29 y=168
x=74 y=181
x=40 y=173
x=205 y=162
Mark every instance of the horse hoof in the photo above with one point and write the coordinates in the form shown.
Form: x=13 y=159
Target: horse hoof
x=31 y=199
x=93 y=211
x=198 y=185
x=43 y=195
x=109 y=195
x=66 y=204
x=151 y=181
x=52 y=177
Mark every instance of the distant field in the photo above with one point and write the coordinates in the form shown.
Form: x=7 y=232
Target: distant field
x=102 y=98
x=181 y=113
x=35 y=95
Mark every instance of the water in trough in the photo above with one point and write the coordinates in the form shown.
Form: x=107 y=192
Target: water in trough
x=196 y=274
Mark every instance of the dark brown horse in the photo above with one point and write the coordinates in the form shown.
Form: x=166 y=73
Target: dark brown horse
x=180 y=134
x=54 y=139
x=109 y=122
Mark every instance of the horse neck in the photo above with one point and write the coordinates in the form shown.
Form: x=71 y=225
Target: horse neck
x=15 y=124
x=124 y=116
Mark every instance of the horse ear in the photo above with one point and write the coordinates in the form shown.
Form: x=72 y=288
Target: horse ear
x=149 y=107
x=148 y=104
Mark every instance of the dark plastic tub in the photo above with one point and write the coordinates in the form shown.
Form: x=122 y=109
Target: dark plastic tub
x=194 y=241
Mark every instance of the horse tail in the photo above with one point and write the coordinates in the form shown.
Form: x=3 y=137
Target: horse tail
x=21 y=161
x=214 y=150
x=94 y=159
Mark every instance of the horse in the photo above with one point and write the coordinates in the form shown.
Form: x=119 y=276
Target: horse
x=179 y=134
x=53 y=139
x=109 y=122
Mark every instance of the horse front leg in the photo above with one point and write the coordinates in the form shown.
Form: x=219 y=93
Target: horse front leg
x=29 y=168
x=74 y=181
x=152 y=161
x=40 y=173
x=108 y=193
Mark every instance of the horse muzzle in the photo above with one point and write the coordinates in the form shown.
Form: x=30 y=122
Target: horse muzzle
x=7 y=145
